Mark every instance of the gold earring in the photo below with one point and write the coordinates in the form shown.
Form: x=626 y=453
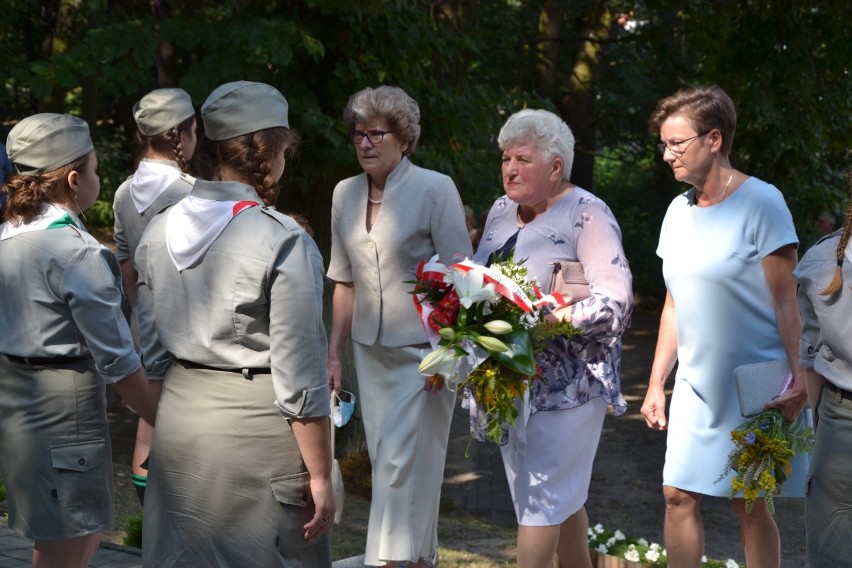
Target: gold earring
x=80 y=209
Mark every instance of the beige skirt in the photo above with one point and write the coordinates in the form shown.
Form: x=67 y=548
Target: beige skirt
x=54 y=450
x=227 y=486
x=407 y=431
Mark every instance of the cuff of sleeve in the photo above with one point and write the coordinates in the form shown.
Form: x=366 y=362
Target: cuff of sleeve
x=807 y=354
x=157 y=371
x=310 y=403
x=119 y=369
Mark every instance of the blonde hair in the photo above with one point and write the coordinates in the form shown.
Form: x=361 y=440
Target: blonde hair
x=837 y=280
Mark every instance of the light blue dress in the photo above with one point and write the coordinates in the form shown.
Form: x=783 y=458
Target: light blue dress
x=713 y=270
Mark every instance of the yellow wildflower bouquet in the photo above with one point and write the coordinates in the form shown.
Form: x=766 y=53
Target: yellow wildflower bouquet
x=764 y=446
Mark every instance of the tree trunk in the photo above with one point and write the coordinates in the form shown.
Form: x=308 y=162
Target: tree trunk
x=166 y=65
x=578 y=106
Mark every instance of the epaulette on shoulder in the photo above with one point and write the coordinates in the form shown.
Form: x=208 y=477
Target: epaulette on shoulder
x=281 y=218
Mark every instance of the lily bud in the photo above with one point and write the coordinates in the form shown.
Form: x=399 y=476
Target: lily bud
x=492 y=343
x=441 y=361
x=447 y=333
x=499 y=327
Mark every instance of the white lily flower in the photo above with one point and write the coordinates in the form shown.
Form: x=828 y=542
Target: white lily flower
x=498 y=327
x=471 y=287
x=440 y=361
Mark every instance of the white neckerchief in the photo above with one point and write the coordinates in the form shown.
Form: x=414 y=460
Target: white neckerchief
x=149 y=181
x=193 y=224
x=49 y=217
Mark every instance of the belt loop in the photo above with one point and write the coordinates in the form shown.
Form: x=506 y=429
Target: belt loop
x=248 y=374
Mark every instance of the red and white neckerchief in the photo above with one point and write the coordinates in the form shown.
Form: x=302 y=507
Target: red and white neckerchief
x=149 y=181
x=49 y=217
x=194 y=224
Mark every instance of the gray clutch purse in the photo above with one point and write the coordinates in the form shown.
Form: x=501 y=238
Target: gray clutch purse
x=758 y=383
x=569 y=280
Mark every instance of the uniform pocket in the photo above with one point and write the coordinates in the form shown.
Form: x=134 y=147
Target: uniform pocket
x=79 y=471
x=293 y=493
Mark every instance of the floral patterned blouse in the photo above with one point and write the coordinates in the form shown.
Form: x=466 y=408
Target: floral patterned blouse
x=577 y=227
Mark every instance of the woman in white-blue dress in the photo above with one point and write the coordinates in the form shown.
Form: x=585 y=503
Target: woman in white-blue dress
x=728 y=247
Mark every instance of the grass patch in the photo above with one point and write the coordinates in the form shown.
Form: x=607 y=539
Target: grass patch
x=132 y=527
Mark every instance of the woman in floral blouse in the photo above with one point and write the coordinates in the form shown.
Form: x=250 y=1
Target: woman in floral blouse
x=542 y=219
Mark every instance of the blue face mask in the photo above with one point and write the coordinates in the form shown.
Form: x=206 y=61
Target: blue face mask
x=344 y=409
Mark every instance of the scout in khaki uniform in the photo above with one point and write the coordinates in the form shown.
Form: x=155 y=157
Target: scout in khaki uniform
x=64 y=337
x=166 y=122
x=240 y=466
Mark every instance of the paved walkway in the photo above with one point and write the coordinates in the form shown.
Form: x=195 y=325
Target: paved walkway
x=476 y=484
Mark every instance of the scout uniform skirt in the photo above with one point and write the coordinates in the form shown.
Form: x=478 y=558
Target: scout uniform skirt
x=54 y=449
x=227 y=486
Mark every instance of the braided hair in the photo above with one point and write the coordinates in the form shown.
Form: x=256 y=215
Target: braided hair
x=837 y=280
x=168 y=143
x=252 y=156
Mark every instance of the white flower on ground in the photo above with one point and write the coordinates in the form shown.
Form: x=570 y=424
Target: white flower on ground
x=620 y=535
x=591 y=532
x=731 y=563
x=642 y=542
x=470 y=287
x=703 y=559
x=657 y=547
x=632 y=555
x=611 y=542
x=602 y=549
x=599 y=528
x=652 y=555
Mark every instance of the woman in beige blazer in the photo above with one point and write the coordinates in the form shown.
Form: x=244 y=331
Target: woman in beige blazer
x=384 y=222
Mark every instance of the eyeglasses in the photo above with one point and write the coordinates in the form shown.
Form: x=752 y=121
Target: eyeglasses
x=374 y=136
x=678 y=148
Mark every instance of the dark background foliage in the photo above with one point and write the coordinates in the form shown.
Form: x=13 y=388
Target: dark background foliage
x=600 y=64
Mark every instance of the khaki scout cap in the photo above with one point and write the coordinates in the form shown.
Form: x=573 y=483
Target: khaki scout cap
x=162 y=109
x=242 y=107
x=45 y=142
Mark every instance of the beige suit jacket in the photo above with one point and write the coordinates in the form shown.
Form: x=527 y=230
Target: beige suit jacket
x=421 y=215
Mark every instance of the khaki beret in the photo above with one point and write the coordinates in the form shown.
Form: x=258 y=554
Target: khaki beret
x=242 y=107
x=45 y=142
x=162 y=109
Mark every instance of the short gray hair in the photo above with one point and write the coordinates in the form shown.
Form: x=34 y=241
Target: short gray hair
x=390 y=103
x=545 y=131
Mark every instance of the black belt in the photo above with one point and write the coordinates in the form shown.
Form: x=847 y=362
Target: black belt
x=243 y=371
x=58 y=360
x=842 y=392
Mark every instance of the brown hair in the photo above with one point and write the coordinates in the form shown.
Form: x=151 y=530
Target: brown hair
x=707 y=108
x=251 y=155
x=27 y=194
x=837 y=280
x=168 y=143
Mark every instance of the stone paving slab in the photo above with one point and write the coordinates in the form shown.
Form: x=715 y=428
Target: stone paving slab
x=17 y=552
